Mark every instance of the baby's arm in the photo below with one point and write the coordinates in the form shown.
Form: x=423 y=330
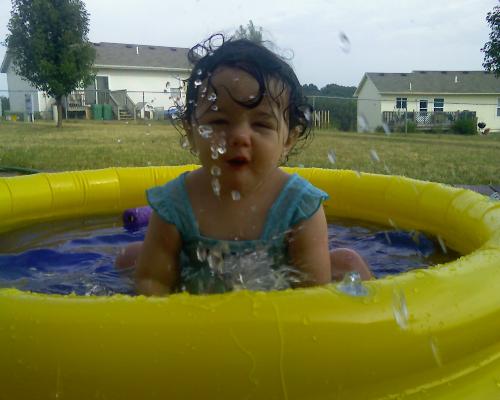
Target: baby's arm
x=157 y=270
x=308 y=249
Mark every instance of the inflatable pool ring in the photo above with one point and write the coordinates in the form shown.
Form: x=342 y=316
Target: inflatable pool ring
x=431 y=333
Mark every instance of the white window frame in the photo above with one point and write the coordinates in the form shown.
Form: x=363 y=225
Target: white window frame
x=402 y=102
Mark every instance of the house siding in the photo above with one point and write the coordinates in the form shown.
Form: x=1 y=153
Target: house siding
x=152 y=83
x=17 y=90
x=369 y=106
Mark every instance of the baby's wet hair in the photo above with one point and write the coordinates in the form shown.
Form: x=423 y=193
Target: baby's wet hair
x=259 y=62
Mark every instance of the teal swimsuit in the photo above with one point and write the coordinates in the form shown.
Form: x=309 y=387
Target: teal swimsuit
x=216 y=266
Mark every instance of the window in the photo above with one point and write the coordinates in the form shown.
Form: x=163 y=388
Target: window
x=498 y=107
x=438 y=105
x=401 y=102
x=423 y=107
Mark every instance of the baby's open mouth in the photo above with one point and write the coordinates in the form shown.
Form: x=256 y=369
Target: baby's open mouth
x=237 y=161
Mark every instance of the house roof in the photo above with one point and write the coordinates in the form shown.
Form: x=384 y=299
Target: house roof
x=134 y=56
x=452 y=82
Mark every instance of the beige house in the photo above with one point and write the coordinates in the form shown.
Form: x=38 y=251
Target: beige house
x=129 y=77
x=431 y=99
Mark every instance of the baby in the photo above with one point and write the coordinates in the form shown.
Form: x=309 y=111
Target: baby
x=239 y=215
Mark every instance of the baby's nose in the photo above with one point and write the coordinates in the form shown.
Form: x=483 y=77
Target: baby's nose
x=239 y=135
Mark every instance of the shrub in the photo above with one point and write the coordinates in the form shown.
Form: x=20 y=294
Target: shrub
x=411 y=127
x=464 y=126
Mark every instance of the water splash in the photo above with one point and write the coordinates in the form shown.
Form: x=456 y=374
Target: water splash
x=197 y=82
x=205 y=131
x=442 y=244
x=215 y=260
x=435 y=351
x=214 y=108
x=215 y=170
x=399 y=308
x=201 y=252
x=215 y=153
x=345 y=43
x=199 y=72
x=386 y=128
x=212 y=97
x=185 y=143
x=374 y=155
x=235 y=195
x=216 y=186
x=352 y=285
x=362 y=123
x=332 y=157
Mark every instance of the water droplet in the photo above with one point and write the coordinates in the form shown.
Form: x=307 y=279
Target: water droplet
x=435 y=351
x=215 y=260
x=221 y=146
x=197 y=82
x=212 y=97
x=352 y=285
x=495 y=196
x=374 y=155
x=399 y=308
x=191 y=101
x=362 y=123
x=201 y=253
x=185 y=143
x=235 y=195
x=442 y=245
x=215 y=153
x=345 y=43
x=205 y=131
x=216 y=186
x=119 y=140
x=387 y=130
x=215 y=170
x=214 y=108
x=199 y=72
x=251 y=97
x=331 y=156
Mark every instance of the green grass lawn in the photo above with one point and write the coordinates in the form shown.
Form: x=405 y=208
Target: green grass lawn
x=79 y=145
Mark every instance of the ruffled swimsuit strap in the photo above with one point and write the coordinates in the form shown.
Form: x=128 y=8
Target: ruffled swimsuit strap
x=171 y=203
x=298 y=201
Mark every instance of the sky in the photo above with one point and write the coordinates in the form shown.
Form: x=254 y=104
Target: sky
x=328 y=41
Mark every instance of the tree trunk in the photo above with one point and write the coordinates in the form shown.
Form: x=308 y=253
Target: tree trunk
x=59 y=111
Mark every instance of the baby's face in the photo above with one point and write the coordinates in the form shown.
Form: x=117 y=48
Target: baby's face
x=243 y=143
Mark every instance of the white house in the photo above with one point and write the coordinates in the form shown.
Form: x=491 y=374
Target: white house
x=429 y=98
x=128 y=75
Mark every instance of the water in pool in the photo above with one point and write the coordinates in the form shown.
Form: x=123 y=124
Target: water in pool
x=77 y=256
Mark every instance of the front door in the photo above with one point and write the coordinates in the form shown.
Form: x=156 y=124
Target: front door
x=423 y=117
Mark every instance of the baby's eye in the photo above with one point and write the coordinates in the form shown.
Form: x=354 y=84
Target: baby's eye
x=218 y=121
x=264 y=124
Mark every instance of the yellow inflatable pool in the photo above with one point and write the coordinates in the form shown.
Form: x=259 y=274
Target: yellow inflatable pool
x=315 y=343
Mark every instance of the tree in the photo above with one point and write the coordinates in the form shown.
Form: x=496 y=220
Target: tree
x=251 y=32
x=48 y=43
x=5 y=103
x=492 y=48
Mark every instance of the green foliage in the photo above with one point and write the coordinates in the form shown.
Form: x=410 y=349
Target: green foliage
x=48 y=43
x=342 y=110
x=491 y=48
x=251 y=32
x=411 y=127
x=465 y=124
x=5 y=103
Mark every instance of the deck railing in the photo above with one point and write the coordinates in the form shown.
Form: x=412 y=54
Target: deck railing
x=424 y=119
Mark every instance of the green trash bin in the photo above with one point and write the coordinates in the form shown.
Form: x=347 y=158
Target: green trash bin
x=97 y=111
x=107 y=112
